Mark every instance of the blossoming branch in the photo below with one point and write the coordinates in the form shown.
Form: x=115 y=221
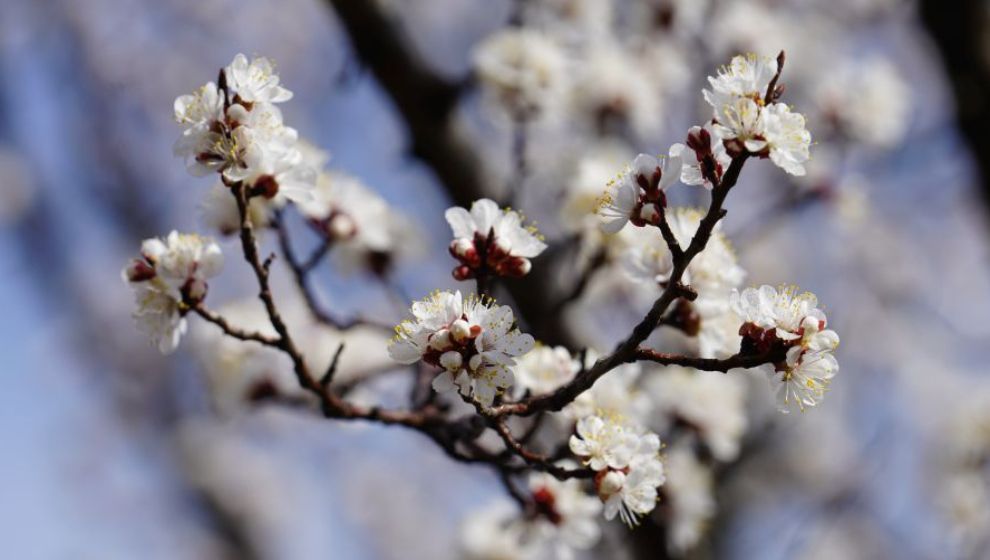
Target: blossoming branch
x=575 y=432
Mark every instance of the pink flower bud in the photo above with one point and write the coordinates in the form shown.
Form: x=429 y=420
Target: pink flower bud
x=501 y=247
x=195 y=290
x=650 y=213
x=139 y=271
x=463 y=273
x=464 y=250
x=514 y=267
x=341 y=227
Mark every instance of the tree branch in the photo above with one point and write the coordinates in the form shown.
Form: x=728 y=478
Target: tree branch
x=626 y=350
x=200 y=309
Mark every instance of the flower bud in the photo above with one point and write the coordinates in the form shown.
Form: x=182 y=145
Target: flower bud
x=451 y=361
x=265 y=186
x=139 y=271
x=501 y=247
x=811 y=325
x=340 y=226
x=699 y=140
x=460 y=330
x=462 y=273
x=440 y=340
x=610 y=484
x=514 y=267
x=195 y=289
x=649 y=213
x=460 y=247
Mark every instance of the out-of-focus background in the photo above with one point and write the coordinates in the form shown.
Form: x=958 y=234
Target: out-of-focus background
x=112 y=451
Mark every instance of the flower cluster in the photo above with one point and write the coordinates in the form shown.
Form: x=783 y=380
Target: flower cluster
x=560 y=518
x=628 y=463
x=637 y=196
x=563 y=513
x=522 y=71
x=474 y=340
x=234 y=128
x=169 y=276
x=747 y=118
x=710 y=159
x=789 y=323
x=490 y=240
x=709 y=404
x=363 y=229
x=543 y=369
x=713 y=274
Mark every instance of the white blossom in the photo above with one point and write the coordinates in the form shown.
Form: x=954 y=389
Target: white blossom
x=710 y=403
x=168 y=274
x=868 y=99
x=632 y=493
x=594 y=168
x=159 y=316
x=614 y=91
x=702 y=141
x=544 y=369
x=803 y=380
x=690 y=503
x=746 y=123
x=474 y=340
x=637 y=195
x=200 y=108
x=243 y=137
x=365 y=231
x=627 y=459
x=746 y=77
x=787 y=138
x=784 y=311
x=490 y=238
x=255 y=81
x=605 y=442
x=521 y=71
x=496 y=532
x=566 y=515
x=782 y=318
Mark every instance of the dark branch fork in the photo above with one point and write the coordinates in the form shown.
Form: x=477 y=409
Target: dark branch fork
x=627 y=350
x=300 y=273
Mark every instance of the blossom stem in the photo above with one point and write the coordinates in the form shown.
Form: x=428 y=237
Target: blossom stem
x=300 y=272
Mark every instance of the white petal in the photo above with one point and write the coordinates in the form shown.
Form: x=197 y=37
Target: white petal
x=460 y=222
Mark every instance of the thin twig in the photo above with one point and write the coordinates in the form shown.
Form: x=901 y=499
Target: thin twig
x=300 y=272
x=535 y=460
x=332 y=369
x=200 y=309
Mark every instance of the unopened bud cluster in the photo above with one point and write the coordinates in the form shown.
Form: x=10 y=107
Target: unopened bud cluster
x=489 y=240
x=638 y=195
